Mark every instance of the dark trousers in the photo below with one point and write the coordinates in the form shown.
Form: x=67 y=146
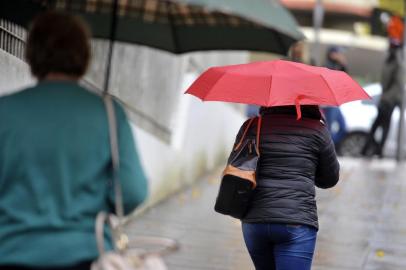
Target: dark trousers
x=382 y=120
x=80 y=266
x=280 y=246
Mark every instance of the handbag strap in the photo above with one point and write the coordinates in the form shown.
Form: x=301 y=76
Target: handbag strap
x=258 y=133
x=244 y=133
x=101 y=219
x=115 y=157
x=121 y=239
x=246 y=130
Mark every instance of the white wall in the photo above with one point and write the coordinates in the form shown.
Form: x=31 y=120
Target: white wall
x=14 y=74
x=207 y=138
x=196 y=137
x=201 y=134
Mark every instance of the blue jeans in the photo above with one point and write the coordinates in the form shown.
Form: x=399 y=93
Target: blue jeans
x=280 y=246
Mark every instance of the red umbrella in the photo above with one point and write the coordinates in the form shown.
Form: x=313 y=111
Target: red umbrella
x=277 y=83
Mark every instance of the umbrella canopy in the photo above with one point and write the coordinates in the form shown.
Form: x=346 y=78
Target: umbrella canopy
x=277 y=83
x=176 y=26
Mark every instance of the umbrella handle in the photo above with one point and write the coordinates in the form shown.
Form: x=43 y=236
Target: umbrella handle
x=113 y=33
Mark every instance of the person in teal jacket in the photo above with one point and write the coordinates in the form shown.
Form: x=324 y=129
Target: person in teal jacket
x=55 y=160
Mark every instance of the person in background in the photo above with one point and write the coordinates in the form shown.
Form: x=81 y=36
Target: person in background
x=280 y=227
x=252 y=110
x=299 y=52
x=336 y=60
x=296 y=52
x=392 y=89
x=55 y=160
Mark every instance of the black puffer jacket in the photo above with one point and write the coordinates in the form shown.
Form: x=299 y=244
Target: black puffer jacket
x=295 y=156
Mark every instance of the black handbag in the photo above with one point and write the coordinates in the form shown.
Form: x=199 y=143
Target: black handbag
x=239 y=176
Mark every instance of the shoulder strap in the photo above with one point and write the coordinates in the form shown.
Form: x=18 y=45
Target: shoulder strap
x=246 y=130
x=244 y=133
x=258 y=132
x=114 y=155
x=121 y=239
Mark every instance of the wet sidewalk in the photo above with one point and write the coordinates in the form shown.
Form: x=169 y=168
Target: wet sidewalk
x=362 y=224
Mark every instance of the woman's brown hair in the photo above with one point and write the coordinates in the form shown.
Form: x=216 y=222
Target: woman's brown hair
x=60 y=43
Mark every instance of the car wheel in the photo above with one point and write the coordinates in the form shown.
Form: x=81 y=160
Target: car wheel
x=353 y=143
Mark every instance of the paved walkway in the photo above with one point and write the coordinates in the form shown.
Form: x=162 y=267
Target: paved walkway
x=362 y=224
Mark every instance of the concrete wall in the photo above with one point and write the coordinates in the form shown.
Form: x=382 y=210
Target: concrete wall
x=202 y=143
x=146 y=80
x=14 y=74
x=179 y=137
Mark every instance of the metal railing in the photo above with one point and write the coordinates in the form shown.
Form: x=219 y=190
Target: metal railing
x=12 y=38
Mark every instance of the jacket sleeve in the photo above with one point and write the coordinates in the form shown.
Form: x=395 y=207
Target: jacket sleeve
x=134 y=184
x=328 y=168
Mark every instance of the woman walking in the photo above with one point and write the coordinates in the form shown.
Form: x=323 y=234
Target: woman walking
x=281 y=225
x=55 y=160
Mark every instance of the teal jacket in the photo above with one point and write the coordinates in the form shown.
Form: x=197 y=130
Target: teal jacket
x=55 y=172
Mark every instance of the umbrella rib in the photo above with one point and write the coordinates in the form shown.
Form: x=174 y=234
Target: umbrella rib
x=269 y=91
x=212 y=87
x=329 y=88
x=324 y=80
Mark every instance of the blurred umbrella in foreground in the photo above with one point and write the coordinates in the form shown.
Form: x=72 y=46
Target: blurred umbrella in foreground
x=176 y=26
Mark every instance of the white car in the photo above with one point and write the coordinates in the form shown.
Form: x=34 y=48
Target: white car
x=359 y=116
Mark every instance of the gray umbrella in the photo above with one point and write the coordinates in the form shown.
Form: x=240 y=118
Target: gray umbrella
x=176 y=26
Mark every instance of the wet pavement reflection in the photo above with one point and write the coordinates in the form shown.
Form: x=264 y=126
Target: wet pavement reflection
x=362 y=224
